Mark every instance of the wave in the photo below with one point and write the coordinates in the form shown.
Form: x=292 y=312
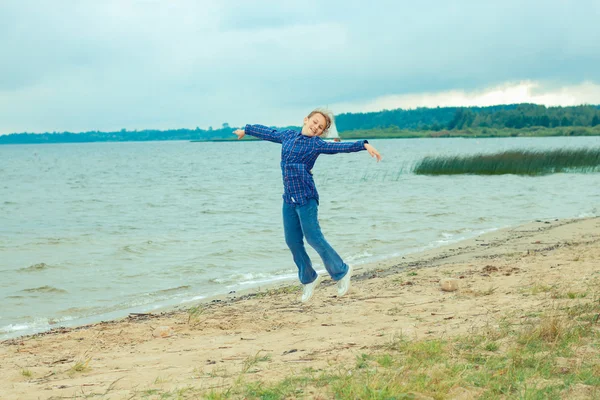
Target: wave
x=78 y=312
x=142 y=247
x=447 y=234
x=441 y=214
x=37 y=325
x=195 y=298
x=130 y=249
x=35 y=268
x=191 y=269
x=354 y=258
x=461 y=234
x=592 y=213
x=138 y=249
x=174 y=290
x=44 y=289
x=222 y=253
x=249 y=278
x=53 y=240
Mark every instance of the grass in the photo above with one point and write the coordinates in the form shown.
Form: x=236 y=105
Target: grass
x=253 y=361
x=518 y=162
x=552 y=352
x=80 y=366
x=491 y=346
x=195 y=315
x=540 y=288
x=550 y=356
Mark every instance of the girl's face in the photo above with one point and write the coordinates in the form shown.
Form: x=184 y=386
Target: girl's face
x=315 y=125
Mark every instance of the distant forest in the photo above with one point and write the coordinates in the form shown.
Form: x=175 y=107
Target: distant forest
x=515 y=116
x=501 y=120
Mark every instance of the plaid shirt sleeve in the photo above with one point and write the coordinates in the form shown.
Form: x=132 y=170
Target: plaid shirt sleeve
x=264 y=133
x=324 y=147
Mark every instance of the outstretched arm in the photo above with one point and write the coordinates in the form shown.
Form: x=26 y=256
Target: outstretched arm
x=373 y=151
x=261 y=132
x=240 y=133
x=347 y=147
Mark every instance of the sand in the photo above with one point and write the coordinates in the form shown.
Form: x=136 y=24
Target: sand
x=225 y=339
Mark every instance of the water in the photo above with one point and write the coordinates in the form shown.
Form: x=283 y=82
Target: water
x=90 y=232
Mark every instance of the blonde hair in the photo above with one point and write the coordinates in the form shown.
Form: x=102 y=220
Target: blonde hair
x=328 y=118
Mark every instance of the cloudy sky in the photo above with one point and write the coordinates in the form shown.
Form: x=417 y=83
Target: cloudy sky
x=79 y=65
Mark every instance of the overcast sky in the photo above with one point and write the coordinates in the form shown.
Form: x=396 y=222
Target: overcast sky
x=80 y=65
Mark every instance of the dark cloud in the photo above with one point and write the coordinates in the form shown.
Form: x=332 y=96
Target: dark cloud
x=123 y=63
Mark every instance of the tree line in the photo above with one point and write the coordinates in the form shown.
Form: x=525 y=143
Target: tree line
x=513 y=116
x=118 y=136
x=431 y=122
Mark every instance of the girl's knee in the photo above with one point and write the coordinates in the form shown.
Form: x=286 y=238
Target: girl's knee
x=295 y=245
x=317 y=242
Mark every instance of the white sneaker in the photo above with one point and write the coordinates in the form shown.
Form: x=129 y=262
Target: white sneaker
x=344 y=283
x=309 y=289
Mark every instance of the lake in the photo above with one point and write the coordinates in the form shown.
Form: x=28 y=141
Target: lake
x=91 y=232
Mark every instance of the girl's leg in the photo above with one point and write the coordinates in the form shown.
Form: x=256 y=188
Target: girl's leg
x=295 y=241
x=310 y=227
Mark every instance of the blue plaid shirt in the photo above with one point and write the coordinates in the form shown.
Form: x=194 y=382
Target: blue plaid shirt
x=298 y=156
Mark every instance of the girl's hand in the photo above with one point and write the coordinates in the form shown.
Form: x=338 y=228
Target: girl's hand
x=373 y=151
x=240 y=133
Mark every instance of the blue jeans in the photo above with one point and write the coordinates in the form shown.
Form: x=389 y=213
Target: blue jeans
x=302 y=221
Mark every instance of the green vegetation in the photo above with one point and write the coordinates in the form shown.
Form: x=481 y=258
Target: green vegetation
x=397 y=133
x=119 y=136
x=519 y=162
x=494 y=121
x=80 y=366
x=551 y=356
x=195 y=314
x=512 y=116
x=251 y=362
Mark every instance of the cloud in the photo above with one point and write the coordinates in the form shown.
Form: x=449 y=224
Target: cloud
x=161 y=64
x=510 y=93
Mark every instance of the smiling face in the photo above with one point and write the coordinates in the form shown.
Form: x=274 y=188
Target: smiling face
x=314 y=125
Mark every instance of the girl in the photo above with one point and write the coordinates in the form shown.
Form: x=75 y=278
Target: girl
x=300 y=198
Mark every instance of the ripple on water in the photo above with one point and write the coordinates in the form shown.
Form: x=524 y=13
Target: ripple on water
x=35 y=268
x=44 y=289
x=173 y=290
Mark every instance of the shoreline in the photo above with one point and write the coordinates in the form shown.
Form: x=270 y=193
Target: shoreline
x=267 y=335
x=353 y=134
x=418 y=259
x=275 y=283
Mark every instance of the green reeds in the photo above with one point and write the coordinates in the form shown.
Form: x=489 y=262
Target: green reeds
x=518 y=162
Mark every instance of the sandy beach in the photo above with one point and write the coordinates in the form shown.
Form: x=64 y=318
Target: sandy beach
x=268 y=334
